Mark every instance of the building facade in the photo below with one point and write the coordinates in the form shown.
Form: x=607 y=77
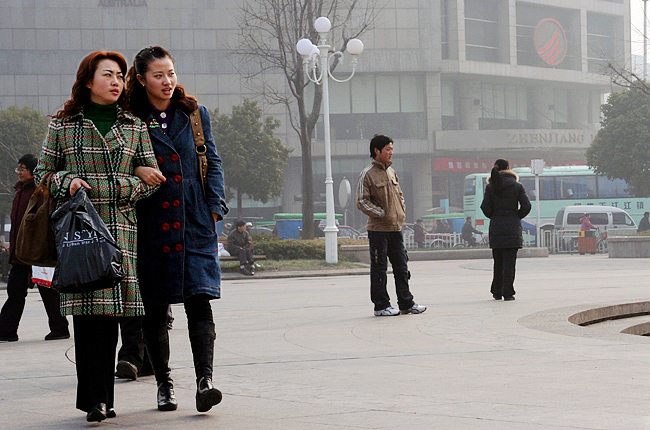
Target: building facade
x=456 y=83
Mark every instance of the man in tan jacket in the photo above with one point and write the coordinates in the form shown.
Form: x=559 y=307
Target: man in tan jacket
x=380 y=197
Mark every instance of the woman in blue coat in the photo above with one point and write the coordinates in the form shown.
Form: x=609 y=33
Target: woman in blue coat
x=176 y=226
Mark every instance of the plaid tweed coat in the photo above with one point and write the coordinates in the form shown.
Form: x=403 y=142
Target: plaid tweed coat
x=74 y=148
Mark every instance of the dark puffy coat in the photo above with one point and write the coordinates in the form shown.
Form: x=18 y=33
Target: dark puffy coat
x=505 y=209
x=177 y=238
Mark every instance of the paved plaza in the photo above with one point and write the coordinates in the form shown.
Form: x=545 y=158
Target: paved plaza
x=306 y=353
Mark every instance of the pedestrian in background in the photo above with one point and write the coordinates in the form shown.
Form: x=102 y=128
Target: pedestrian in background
x=380 y=197
x=418 y=233
x=644 y=224
x=20 y=276
x=177 y=225
x=505 y=203
x=240 y=245
x=94 y=143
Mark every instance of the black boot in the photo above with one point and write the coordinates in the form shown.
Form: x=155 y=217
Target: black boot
x=206 y=395
x=202 y=341
x=158 y=348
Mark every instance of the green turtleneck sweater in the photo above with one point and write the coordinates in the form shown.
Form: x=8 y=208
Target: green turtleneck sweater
x=103 y=116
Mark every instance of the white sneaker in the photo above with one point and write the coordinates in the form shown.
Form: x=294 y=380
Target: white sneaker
x=415 y=309
x=388 y=312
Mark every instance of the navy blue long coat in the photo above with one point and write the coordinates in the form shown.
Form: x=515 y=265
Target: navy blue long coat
x=506 y=210
x=177 y=239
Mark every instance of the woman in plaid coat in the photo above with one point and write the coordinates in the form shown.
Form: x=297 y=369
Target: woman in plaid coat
x=93 y=142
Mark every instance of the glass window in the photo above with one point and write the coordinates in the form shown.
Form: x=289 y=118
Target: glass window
x=575 y=187
x=522 y=104
x=561 y=105
x=387 y=94
x=559 y=217
x=612 y=188
x=363 y=94
x=448 y=100
x=598 y=218
x=620 y=218
x=574 y=219
x=546 y=188
x=487 y=101
x=470 y=186
x=411 y=94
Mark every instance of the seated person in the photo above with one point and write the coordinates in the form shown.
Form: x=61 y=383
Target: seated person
x=468 y=232
x=240 y=245
x=443 y=227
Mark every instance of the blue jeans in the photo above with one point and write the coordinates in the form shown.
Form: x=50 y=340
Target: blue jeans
x=384 y=246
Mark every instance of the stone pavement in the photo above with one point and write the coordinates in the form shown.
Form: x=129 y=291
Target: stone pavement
x=306 y=353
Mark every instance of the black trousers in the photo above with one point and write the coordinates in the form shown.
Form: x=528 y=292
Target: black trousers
x=503 y=279
x=386 y=246
x=95 y=342
x=132 y=349
x=245 y=255
x=20 y=279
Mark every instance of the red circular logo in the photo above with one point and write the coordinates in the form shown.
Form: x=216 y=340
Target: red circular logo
x=550 y=41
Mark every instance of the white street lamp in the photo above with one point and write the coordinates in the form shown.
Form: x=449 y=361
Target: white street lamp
x=316 y=67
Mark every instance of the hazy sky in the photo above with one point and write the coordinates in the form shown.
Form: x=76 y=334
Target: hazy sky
x=636 y=14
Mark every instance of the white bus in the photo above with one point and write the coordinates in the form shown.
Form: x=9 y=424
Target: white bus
x=559 y=186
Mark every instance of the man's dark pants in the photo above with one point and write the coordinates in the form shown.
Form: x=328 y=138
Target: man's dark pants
x=20 y=279
x=503 y=280
x=384 y=246
x=245 y=255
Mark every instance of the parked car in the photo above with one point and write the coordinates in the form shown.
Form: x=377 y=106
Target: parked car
x=348 y=232
x=604 y=217
x=260 y=229
x=345 y=231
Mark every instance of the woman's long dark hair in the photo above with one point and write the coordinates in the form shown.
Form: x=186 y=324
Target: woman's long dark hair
x=85 y=74
x=495 y=175
x=136 y=94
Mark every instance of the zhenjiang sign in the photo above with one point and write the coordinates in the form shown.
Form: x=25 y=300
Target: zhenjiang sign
x=472 y=140
x=561 y=137
x=120 y=3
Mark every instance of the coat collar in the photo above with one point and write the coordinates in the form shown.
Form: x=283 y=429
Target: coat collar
x=382 y=166
x=178 y=124
x=507 y=172
x=122 y=115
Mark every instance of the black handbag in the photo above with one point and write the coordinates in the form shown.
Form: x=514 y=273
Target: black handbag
x=89 y=257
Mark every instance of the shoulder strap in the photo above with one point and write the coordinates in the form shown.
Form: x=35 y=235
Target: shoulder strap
x=199 y=141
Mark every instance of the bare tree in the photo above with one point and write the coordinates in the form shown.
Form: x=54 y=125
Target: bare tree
x=269 y=31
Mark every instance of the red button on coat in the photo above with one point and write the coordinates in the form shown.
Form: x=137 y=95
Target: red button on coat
x=166 y=226
x=178 y=247
x=160 y=159
x=165 y=205
x=176 y=225
x=176 y=203
x=178 y=178
x=166 y=249
x=174 y=158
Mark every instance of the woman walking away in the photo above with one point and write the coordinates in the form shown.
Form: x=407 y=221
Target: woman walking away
x=505 y=203
x=95 y=144
x=177 y=224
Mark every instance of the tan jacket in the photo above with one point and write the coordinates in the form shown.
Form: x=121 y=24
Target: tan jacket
x=380 y=197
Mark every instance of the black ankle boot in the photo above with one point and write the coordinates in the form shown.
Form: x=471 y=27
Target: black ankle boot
x=166 y=398
x=206 y=395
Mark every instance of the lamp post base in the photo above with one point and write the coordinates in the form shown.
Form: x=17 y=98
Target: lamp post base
x=331 y=251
